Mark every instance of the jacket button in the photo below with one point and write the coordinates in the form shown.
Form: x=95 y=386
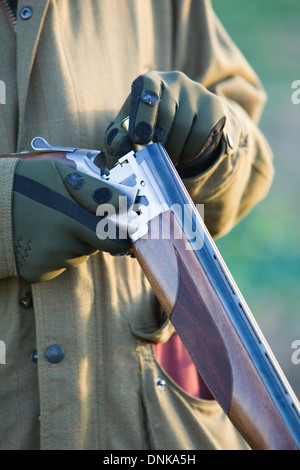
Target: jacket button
x=26 y=13
x=34 y=357
x=55 y=353
x=229 y=140
x=26 y=301
x=161 y=384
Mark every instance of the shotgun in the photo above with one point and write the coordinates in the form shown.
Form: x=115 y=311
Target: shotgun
x=196 y=290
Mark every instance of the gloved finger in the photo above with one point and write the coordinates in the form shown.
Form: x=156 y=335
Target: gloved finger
x=177 y=109
x=101 y=234
x=62 y=183
x=69 y=245
x=116 y=139
x=206 y=122
x=177 y=138
x=181 y=127
x=195 y=148
x=49 y=239
x=210 y=111
x=168 y=108
x=55 y=218
x=64 y=193
x=87 y=191
x=146 y=93
x=91 y=194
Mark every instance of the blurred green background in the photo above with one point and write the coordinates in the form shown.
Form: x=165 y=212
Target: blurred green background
x=263 y=251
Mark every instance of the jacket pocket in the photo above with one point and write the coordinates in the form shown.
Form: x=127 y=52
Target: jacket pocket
x=176 y=420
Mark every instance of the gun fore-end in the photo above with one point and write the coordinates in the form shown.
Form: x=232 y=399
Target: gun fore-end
x=203 y=324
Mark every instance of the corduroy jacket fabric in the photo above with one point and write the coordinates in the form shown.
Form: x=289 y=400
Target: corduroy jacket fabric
x=67 y=71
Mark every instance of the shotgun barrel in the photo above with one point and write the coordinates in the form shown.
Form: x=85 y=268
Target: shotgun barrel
x=211 y=317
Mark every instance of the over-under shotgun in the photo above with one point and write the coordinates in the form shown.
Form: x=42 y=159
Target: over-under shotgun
x=196 y=290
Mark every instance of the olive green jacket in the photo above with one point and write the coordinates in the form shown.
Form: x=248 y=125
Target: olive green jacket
x=67 y=72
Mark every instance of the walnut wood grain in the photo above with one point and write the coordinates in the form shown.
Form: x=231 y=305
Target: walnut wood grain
x=199 y=317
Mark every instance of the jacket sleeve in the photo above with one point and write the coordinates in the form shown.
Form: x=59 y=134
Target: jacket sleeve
x=7 y=260
x=242 y=175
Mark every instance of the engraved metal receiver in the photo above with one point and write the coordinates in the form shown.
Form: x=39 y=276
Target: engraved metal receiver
x=144 y=199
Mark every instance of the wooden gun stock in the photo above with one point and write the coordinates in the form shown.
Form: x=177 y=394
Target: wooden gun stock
x=198 y=315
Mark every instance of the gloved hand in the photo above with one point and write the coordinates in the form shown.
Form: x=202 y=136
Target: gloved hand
x=54 y=218
x=170 y=108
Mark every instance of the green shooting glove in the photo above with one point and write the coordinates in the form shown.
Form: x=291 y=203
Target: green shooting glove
x=54 y=218
x=170 y=108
